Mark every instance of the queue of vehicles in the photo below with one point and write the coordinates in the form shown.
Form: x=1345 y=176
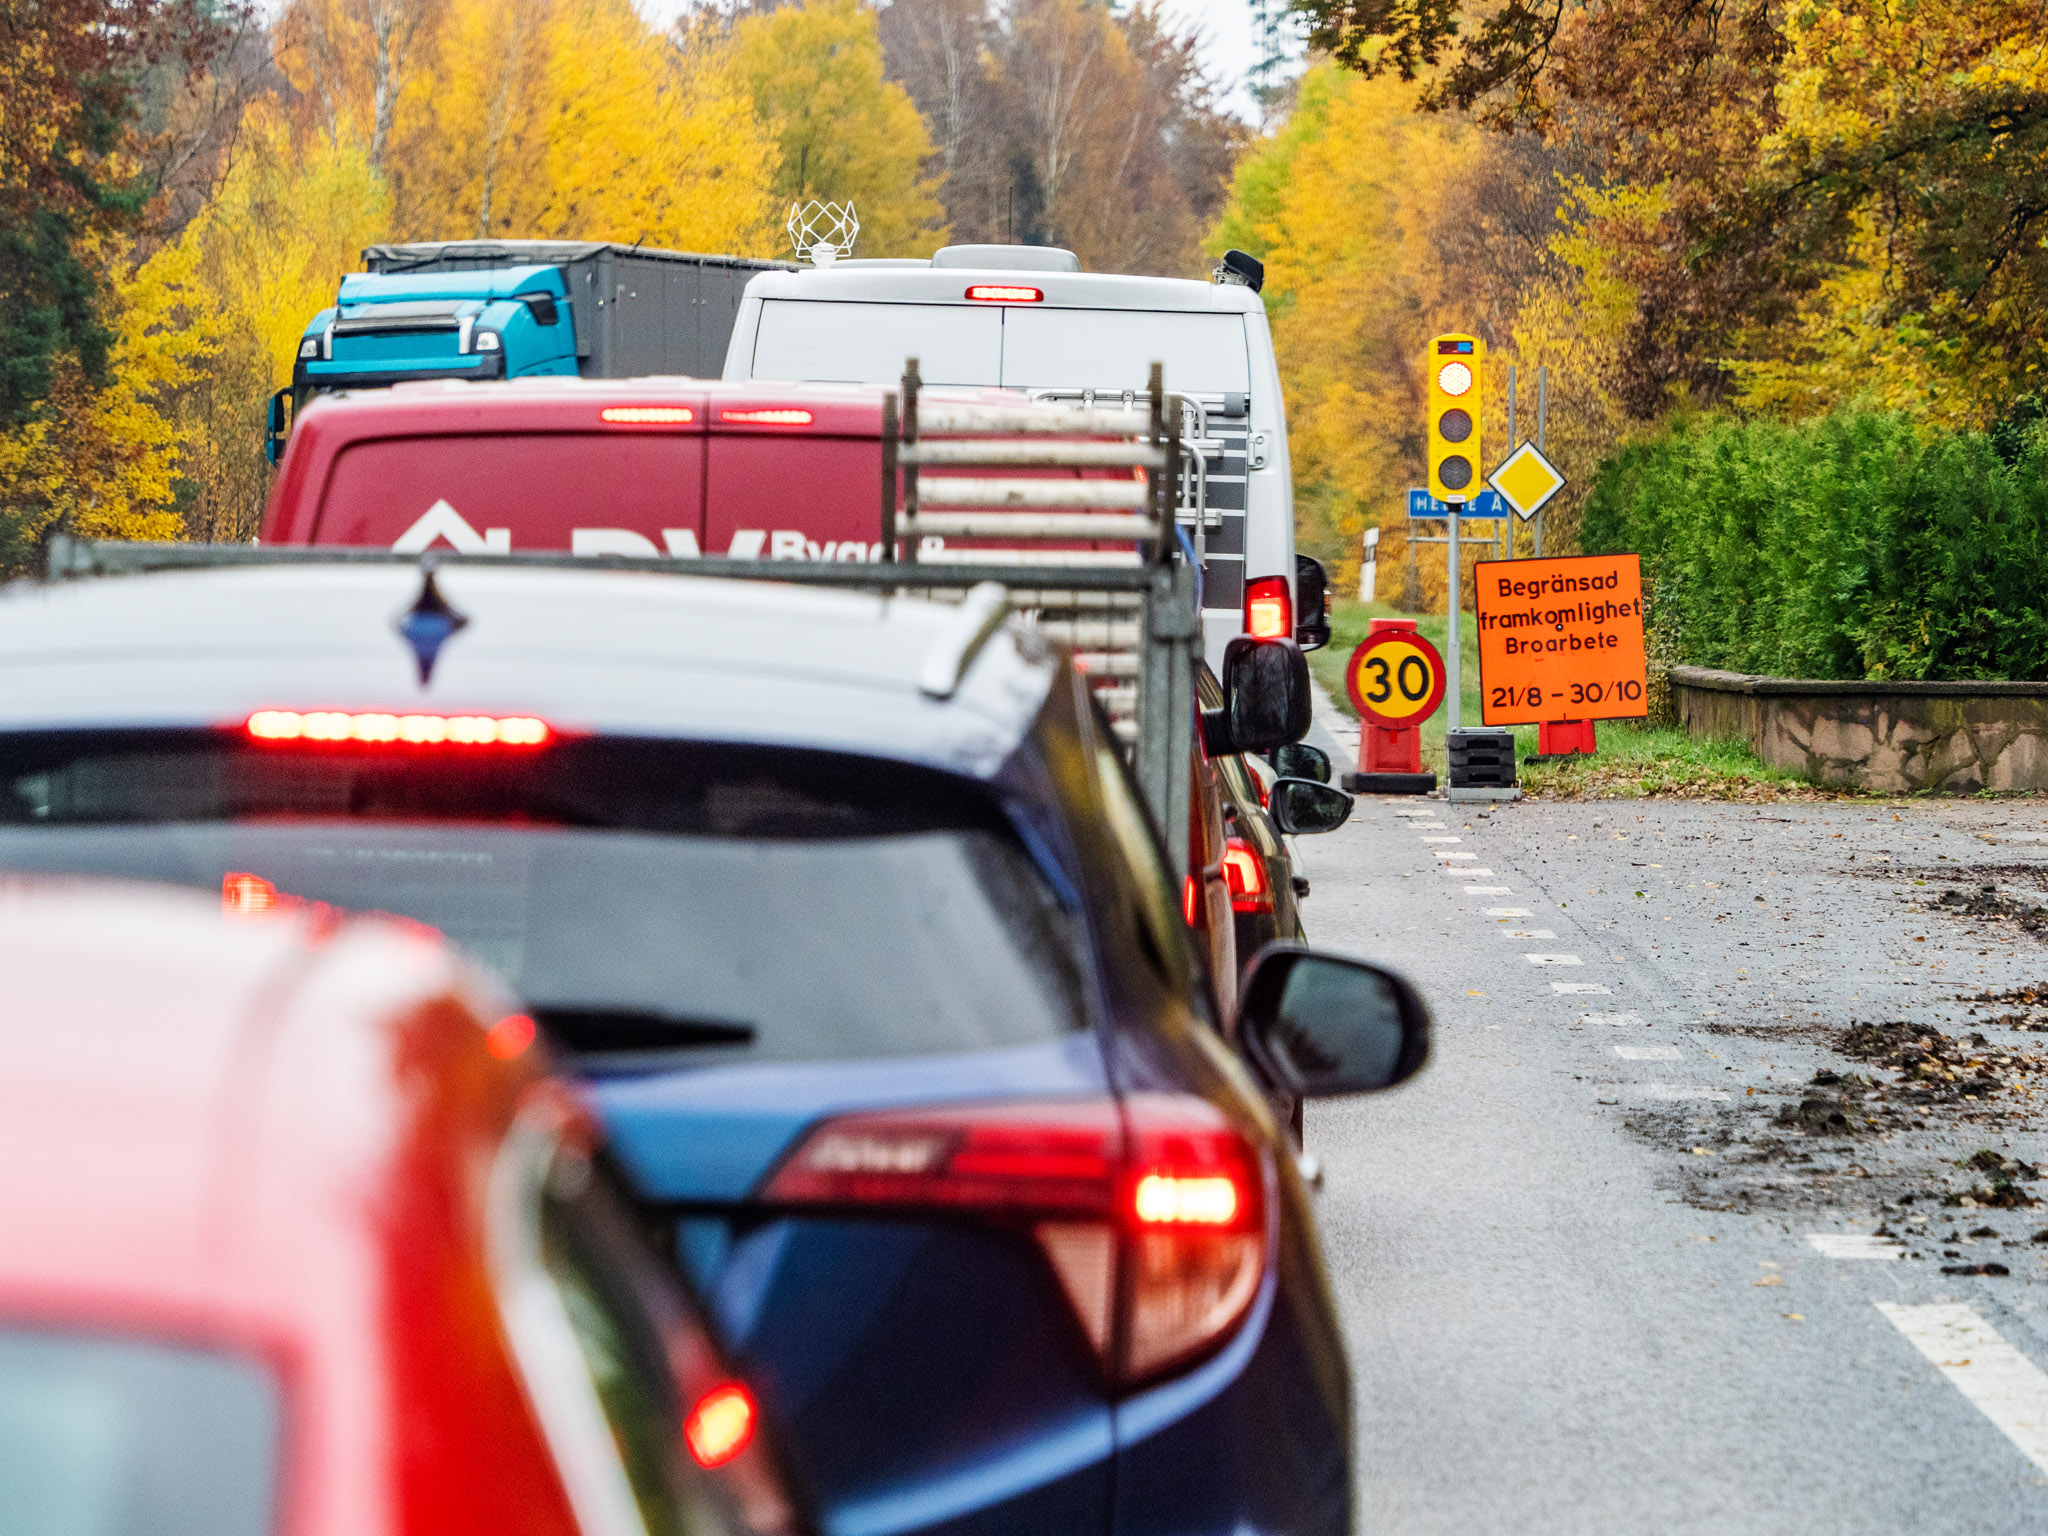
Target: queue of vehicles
x=884 y=992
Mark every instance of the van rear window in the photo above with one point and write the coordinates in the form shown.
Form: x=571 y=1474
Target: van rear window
x=867 y=343
x=1114 y=349
x=1014 y=346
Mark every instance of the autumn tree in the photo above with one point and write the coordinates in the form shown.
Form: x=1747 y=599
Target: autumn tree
x=69 y=182
x=842 y=131
x=1061 y=122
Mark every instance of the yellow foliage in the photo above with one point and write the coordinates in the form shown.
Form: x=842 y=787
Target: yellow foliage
x=814 y=73
x=572 y=119
x=105 y=463
x=1346 y=204
x=1852 y=72
x=291 y=216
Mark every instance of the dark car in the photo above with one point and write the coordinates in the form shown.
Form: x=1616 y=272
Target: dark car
x=1264 y=889
x=882 y=990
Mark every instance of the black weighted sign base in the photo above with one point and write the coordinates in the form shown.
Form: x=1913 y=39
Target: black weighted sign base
x=1389 y=783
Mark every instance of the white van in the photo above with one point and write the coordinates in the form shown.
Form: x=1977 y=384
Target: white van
x=1028 y=318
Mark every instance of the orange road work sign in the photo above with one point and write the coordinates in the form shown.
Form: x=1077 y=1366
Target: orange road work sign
x=1561 y=639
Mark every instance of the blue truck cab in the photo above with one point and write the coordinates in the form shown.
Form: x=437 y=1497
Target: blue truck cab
x=516 y=309
x=512 y=323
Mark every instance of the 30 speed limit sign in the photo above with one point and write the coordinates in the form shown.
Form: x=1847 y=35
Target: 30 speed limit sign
x=1395 y=678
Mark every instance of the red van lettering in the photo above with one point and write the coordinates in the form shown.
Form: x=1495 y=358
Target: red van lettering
x=610 y=541
x=441 y=521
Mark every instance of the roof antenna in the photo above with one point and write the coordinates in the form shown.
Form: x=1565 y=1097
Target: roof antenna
x=430 y=623
x=823 y=231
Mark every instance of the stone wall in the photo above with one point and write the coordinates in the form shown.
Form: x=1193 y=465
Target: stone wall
x=1891 y=736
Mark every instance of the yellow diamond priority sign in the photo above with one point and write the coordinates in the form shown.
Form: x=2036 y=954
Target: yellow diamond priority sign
x=1526 y=480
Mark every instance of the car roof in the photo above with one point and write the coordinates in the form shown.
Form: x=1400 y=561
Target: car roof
x=605 y=652
x=161 y=1064
x=948 y=285
x=550 y=403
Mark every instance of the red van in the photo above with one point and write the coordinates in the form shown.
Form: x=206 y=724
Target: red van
x=297 y=1236
x=680 y=467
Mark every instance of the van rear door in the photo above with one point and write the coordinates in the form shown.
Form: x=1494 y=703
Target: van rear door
x=630 y=485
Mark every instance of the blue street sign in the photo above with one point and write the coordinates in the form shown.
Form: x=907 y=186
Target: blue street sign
x=1485 y=504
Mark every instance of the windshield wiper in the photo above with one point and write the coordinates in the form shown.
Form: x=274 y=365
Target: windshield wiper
x=603 y=1031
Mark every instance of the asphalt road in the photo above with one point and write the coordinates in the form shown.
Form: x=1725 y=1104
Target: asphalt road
x=1576 y=1257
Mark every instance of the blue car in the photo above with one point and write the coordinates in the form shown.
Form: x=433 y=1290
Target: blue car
x=884 y=992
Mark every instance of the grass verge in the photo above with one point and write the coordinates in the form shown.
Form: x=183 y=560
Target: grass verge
x=1635 y=761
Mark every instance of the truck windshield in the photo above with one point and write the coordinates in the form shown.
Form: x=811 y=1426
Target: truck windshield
x=1011 y=346
x=109 y=1436
x=644 y=898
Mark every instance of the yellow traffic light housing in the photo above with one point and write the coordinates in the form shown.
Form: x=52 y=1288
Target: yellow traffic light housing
x=1454 y=416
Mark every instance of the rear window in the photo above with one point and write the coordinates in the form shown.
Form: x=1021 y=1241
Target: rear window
x=540 y=485
x=1114 y=349
x=867 y=343
x=1016 y=346
x=647 y=899
x=104 y=1436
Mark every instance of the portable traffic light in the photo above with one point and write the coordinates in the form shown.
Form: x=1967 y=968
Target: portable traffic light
x=1454 y=392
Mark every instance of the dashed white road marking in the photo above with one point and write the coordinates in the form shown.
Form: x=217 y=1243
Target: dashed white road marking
x=1413 y=811
x=1483 y=890
x=1507 y=912
x=1674 y=1092
x=1443 y=839
x=1647 y=1052
x=1543 y=959
x=1424 y=826
x=1461 y=872
x=1626 y=1018
x=1579 y=988
x=1527 y=933
x=2007 y=1388
x=1453 y=857
x=1855 y=1245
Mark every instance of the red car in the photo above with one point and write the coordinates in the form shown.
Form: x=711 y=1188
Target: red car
x=298 y=1236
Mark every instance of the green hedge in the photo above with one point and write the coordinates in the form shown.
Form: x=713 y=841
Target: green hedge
x=1853 y=545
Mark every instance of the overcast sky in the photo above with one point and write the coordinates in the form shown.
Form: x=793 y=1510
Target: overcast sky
x=1225 y=26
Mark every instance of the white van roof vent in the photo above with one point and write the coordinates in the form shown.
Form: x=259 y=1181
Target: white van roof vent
x=1007 y=258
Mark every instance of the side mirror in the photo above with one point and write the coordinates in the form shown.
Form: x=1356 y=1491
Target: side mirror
x=1265 y=696
x=1299 y=760
x=1311 y=603
x=1319 y=1025
x=1303 y=805
x=277 y=425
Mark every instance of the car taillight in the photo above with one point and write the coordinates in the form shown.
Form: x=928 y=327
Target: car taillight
x=776 y=418
x=1004 y=293
x=1191 y=899
x=720 y=1426
x=1268 y=609
x=414 y=730
x=1245 y=873
x=1161 y=1189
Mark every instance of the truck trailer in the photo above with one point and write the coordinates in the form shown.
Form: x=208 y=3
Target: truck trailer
x=509 y=309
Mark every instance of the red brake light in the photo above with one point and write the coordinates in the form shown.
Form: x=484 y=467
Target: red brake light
x=510 y=1036
x=1191 y=899
x=1268 y=609
x=246 y=895
x=1160 y=1188
x=1004 y=293
x=767 y=418
x=721 y=1425
x=401 y=730
x=1245 y=873
x=647 y=415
